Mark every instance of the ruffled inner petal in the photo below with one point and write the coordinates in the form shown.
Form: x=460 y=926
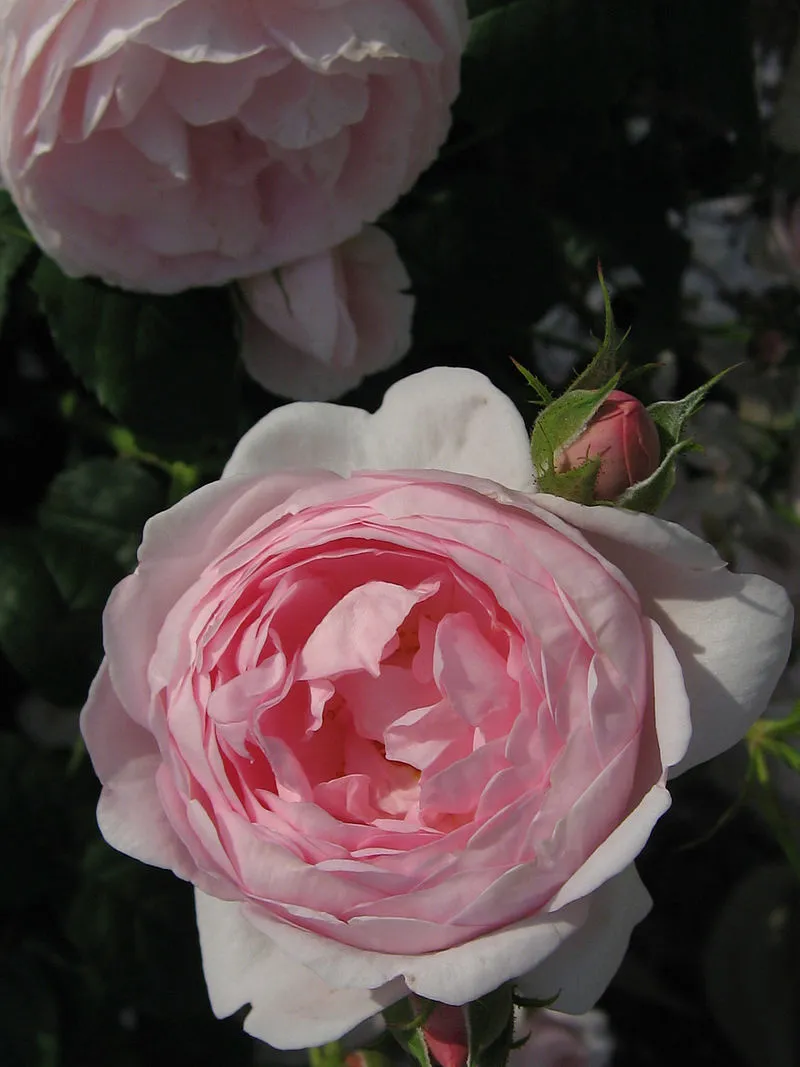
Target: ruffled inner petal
x=408 y=691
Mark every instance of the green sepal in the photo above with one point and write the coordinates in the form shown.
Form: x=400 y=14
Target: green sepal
x=776 y=738
x=330 y=1055
x=766 y=730
x=787 y=754
x=670 y=417
x=487 y=1020
x=649 y=494
x=562 y=422
x=490 y=1027
x=401 y=1016
x=533 y=1002
x=606 y=361
x=577 y=484
x=405 y=1025
x=538 y=386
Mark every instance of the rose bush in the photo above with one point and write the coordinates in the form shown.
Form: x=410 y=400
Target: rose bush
x=405 y=723
x=161 y=144
x=313 y=329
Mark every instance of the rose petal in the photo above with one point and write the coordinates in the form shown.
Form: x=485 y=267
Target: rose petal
x=452 y=976
x=460 y=423
x=585 y=963
x=291 y=1007
x=731 y=632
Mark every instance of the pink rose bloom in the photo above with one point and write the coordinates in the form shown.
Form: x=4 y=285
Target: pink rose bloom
x=403 y=722
x=559 y=1040
x=162 y=144
x=314 y=328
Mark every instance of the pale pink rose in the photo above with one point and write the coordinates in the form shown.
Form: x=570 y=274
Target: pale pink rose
x=559 y=1040
x=161 y=144
x=624 y=438
x=314 y=328
x=405 y=723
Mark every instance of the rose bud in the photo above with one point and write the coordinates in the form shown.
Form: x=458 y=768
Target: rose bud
x=625 y=439
x=445 y=1032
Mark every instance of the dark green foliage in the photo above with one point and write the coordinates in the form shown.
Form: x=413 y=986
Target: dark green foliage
x=164 y=366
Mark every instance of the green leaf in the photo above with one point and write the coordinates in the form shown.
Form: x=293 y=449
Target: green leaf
x=165 y=366
x=83 y=576
x=102 y=506
x=54 y=581
x=30 y=605
x=16 y=245
x=752 y=968
x=121 y=918
x=56 y=649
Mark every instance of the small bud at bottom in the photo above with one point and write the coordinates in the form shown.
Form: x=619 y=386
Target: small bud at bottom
x=445 y=1032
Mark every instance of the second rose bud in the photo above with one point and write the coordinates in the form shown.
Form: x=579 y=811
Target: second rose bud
x=623 y=436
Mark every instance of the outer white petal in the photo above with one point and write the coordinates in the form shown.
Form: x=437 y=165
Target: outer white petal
x=616 y=853
x=287 y=371
x=586 y=962
x=731 y=632
x=453 y=976
x=131 y=818
x=125 y=758
x=446 y=418
x=291 y=1007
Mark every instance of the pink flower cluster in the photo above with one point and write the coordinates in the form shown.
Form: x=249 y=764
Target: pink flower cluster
x=164 y=144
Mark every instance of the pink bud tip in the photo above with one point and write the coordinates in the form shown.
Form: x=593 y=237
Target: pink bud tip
x=625 y=439
x=445 y=1032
